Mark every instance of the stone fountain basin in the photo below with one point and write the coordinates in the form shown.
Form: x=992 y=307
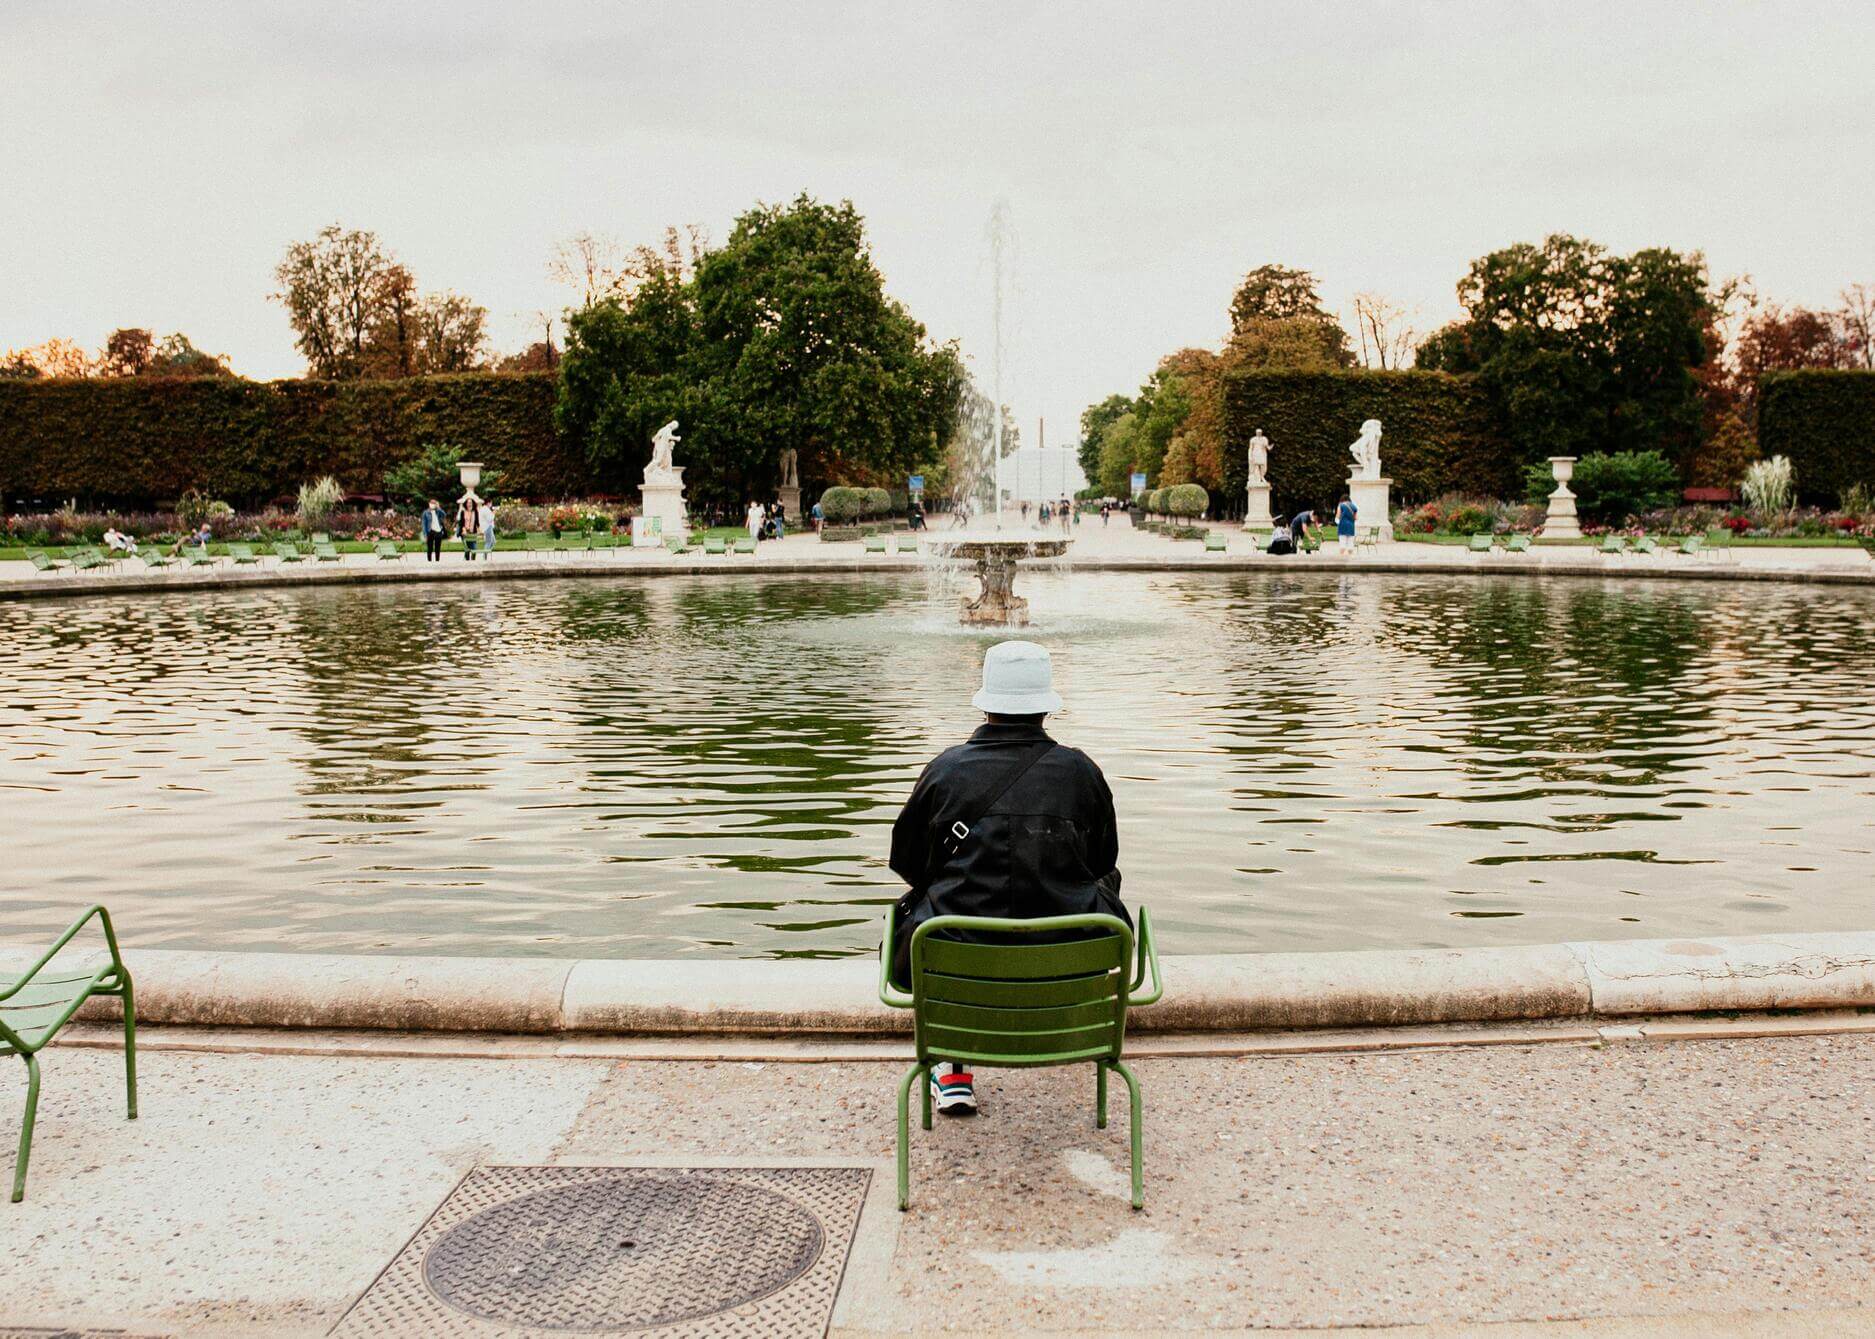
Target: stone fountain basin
x=966 y=547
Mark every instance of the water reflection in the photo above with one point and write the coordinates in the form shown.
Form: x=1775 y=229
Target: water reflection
x=664 y=767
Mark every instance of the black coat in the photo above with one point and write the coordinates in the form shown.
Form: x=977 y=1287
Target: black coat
x=1048 y=847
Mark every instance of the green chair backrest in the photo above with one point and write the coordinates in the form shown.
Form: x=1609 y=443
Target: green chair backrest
x=1213 y=542
x=321 y=537
x=1613 y=543
x=40 y=561
x=289 y=552
x=1719 y=537
x=1692 y=544
x=1020 y=1003
x=325 y=549
x=387 y=548
x=745 y=545
x=875 y=543
x=1480 y=543
x=714 y=545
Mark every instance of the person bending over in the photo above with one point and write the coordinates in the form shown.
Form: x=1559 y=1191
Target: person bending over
x=1039 y=837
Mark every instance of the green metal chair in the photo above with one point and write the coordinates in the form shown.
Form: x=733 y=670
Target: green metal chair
x=744 y=545
x=387 y=548
x=83 y=560
x=1213 y=542
x=43 y=562
x=1022 y=1005
x=243 y=554
x=199 y=556
x=1691 y=545
x=1481 y=543
x=1517 y=544
x=1613 y=545
x=287 y=552
x=715 y=544
x=325 y=551
x=675 y=544
x=875 y=543
x=153 y=557
x=33 y=1007
x=1647 y=545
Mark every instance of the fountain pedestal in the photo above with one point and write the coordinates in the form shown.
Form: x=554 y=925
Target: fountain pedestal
x=996 y=604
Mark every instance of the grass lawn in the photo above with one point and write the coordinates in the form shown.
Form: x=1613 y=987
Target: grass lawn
x=571 y=543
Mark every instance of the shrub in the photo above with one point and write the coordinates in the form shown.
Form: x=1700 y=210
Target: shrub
x=878 y=502
x=1769 y=486
x=1856 y=500
x=434 y=472
x=318 y=500
x=564 y=517
x=1187 y=500
x=840 y=504
x=1613 y=486
x=1823 y=422
x=194 y=509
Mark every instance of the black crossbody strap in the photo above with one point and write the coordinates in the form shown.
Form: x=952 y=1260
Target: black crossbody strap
x=953 y=837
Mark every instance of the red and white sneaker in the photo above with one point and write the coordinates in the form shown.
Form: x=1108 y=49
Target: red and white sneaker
x=953 y=1092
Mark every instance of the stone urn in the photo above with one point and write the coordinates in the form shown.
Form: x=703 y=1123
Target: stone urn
x=1561 y=522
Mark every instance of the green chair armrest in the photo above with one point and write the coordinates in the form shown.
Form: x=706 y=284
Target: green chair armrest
x=110 y=939
x=890 y=995
x=1148 y=964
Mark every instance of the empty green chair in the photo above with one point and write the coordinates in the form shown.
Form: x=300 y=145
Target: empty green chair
x=83 y=560
x=325 y=551
x=43 y=562
x=287 y=553
x=1481 y=543
x=1517 y=544
x=1022 y=1004
x=1648 y=545
x=1692 y=545
x=675 y=544
x=745 y=545
x=387 y=548
x=1213 y=542
x=539 y=542
x=715 y=544
x=199 y=556
x=37 y=1003
x=153 y=557
x=875 y=543
x=1613 y=545
x=242 y=554
x=905 y=544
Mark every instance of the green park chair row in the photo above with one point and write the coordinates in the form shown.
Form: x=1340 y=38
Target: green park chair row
x=891 y=544
x=42 y=1000
x=1009 y=1003
x=1716 y=542
x=1486 y=543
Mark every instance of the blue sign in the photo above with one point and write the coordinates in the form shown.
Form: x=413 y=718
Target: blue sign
x=1139 y=483
x=917 y=483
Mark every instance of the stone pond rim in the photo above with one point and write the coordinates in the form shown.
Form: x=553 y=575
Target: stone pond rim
x=781 y=997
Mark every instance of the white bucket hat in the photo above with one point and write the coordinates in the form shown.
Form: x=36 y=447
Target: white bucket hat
x=1018 y=680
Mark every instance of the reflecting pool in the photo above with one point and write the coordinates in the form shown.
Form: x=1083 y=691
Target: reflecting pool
x=670 y=766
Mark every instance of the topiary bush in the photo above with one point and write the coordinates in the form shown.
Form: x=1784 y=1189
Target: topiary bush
x=878 y=502
x=1187 y=500
x=843 y=505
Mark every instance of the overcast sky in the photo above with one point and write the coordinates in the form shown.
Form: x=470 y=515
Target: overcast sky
x=159 y=157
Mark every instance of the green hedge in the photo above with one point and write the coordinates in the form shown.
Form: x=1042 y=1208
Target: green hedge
x=1825 y=422
x=1441 y=433
x=134 y=440
x=1187 y=500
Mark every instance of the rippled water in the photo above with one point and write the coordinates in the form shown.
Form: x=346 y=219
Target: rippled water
x=665 y=766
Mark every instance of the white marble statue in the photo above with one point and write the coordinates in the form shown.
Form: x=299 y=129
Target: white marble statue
x=1366 y=451
x=790 y=471
x=660 y=466
x=1259 y=458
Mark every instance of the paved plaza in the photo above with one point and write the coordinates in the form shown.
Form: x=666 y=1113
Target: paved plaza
x=1638 y=1188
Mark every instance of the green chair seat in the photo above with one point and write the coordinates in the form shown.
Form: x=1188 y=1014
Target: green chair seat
x=387 y=548
x=288 y=553
x=1692 y=545
x=1647 y=544
x=1481 y=543
x=1022 y=1004
x=326 y=551
x=715 y=544
x=875 y=543
x=153 y=556
x=199 y=556
x=1213 y=542
x=744 y=545
x=1613 y=544
x=1518 y=544
x=35 y=1004
x=242 y=554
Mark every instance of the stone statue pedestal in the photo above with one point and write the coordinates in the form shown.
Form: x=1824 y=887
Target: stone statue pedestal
x=1561 y=522
x=1372 y=501
x=1257 y=514
x=664 y=502
x=790 y=497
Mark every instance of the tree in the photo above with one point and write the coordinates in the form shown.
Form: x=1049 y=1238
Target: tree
x=591 y=266
x=540 y=356
x=54 y=358
x=1857 y=320
x=175 y=356
x=1289 y=344
x=452 y=333
x=1094 y=421
x=1276 y=293
x=1164 y=403
x=1586 y=351
x=127 y=352
x=1384 y=331
x=1116 y=455
x=391 y=345
x=332 y=288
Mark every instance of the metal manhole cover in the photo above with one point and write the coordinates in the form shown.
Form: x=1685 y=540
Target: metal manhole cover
x=723 y=1252
x=624 y=1252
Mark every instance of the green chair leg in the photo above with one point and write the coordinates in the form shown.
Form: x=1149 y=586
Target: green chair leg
x=924 y=1089
x=904 y=1137
x=26 y=1129
x=1132 y=1093
x=130 y=1046
x=1100 y=1095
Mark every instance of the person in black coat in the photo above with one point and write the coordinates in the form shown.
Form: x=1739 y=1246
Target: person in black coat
x=1046 y=845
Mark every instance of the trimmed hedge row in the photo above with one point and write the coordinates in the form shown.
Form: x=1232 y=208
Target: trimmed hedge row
x=1441 y=433
x=134 y=440
x=1824 y=421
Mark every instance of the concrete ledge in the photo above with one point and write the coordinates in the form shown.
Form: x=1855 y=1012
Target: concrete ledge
x=1240 y=992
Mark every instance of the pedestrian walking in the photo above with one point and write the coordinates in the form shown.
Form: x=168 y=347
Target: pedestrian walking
x=1344 y=525
x=486 y=513
x=467 y=523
